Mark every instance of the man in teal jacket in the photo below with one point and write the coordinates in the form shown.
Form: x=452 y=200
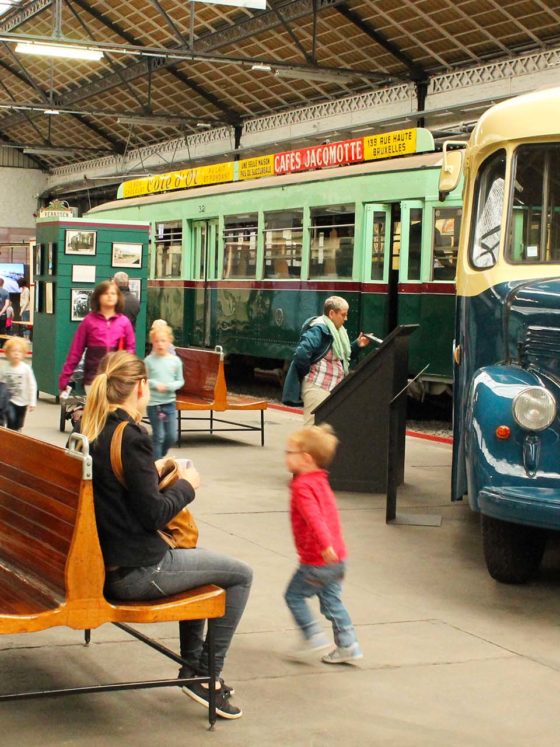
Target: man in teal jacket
x=321 y=359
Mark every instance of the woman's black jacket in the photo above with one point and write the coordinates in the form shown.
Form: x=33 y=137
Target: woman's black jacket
x=128 y=518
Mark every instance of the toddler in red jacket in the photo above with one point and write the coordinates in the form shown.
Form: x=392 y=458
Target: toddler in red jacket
x=320 y=546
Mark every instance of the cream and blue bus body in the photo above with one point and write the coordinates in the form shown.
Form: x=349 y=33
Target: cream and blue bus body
x=507 y=340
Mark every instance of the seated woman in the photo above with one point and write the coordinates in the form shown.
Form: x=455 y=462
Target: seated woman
x=139 y=564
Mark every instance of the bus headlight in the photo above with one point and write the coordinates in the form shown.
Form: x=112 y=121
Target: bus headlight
x=534 y=408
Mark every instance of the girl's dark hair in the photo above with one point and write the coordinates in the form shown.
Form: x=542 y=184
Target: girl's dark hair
x=103 y=288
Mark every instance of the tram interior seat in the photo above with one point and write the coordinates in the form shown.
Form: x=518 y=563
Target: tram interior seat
x=444 y=257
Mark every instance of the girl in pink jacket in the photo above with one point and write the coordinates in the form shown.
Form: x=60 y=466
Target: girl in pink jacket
x=103 y=330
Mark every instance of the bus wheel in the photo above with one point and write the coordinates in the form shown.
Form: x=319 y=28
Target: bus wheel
x=513 y=552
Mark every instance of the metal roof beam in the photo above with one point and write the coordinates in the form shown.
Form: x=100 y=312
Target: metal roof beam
x=230 y=115
x=416 y=71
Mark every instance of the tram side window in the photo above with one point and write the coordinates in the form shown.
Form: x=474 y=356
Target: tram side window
x=283 y=238
x=447 y=224
x=169 y=240
x=534 y=234
x=487 y=211
x=332 y=241
x=378 y=245
x=415 y=244
x=240 y=246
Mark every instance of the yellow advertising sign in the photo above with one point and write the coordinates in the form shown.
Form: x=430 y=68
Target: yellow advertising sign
x=398 y=143
x=254 y=168
x=216 y=173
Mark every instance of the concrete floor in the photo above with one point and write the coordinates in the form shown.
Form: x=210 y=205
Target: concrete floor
x=451 y=657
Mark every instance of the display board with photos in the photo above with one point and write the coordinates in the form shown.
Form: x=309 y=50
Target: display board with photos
x=73 y=256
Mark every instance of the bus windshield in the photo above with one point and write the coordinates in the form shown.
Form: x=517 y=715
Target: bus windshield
x=534 y=233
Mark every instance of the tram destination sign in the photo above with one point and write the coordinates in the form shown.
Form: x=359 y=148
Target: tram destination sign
x=327 y=155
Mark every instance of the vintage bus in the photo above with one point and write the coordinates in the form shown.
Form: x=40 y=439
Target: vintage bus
x=506 y=452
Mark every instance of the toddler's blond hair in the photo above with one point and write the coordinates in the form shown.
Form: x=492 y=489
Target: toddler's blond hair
x=319 y=441
x=16 y=342
x=161 y=329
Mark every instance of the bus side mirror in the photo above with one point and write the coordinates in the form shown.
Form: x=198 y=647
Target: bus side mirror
x=451 y=169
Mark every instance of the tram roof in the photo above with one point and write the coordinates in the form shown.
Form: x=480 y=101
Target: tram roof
x=406 y=163
x=361 y=47
x=534 y=115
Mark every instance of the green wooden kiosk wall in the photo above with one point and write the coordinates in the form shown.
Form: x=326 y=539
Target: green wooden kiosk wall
x=69 y=249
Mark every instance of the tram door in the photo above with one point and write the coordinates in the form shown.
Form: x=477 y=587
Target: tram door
x=205 y=245
x=377 y=310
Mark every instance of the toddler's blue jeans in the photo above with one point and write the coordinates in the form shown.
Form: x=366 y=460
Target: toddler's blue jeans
x=323 y=581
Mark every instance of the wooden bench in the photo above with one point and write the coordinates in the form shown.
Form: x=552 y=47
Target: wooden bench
x=51 y=566
x=205 y=389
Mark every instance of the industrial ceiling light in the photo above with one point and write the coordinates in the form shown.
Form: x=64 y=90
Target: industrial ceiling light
x=66 y=51
x=261 y=67
x=46 y=151
x=317 y=75
x=150 y=121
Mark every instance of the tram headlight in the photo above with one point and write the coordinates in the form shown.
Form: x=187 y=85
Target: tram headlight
x=534 y=408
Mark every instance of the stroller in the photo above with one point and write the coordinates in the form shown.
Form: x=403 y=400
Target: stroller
x=72 y=406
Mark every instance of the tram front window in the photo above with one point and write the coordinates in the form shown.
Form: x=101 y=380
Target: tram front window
x=332 y=241
x=534 y=235
x=283 y=239
x=240 y=246
x=169 y=239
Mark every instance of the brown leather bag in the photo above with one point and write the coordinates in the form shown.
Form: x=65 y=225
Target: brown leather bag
x=181 y=531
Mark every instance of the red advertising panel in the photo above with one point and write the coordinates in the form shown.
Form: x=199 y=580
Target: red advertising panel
x=319 y=156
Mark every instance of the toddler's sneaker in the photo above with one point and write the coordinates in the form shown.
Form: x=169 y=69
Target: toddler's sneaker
x=310 y=647
x=344 y=655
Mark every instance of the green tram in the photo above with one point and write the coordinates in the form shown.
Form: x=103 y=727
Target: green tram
x=244 y=264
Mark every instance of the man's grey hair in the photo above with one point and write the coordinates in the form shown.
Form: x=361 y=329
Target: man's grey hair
x=121 y=279
x=334 y=303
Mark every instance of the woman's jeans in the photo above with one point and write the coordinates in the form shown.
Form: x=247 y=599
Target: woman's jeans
x=163 y=419
x=323 y=581
x=181 y=570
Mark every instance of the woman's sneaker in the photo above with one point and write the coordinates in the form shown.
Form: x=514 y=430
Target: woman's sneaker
x=344 y=655
x=224 y=708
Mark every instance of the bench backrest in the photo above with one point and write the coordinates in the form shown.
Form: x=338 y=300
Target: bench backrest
x=39 y=490
x=203 y=371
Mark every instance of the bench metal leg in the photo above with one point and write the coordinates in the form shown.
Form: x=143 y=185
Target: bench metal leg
x=212 y=675
x=262 y=427
x=87 y=637
x=211 y=422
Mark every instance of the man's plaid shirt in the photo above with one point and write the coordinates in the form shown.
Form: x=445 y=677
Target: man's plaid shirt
x=326 y=373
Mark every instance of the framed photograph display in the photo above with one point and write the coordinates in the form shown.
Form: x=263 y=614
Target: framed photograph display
x=38 y=259
x=80 y=242
x=50 y=259
x=79 y=303
x=83 y=273
x=49 y=298
x=135 y=285
x=127 y=255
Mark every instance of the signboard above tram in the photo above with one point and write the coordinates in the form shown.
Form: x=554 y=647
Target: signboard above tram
x=327 y=155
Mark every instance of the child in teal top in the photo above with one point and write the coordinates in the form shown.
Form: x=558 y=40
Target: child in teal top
x=165 y=377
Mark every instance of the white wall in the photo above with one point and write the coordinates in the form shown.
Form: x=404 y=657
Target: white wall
x=18 y=201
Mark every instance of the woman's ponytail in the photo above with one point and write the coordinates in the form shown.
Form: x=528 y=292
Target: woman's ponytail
x=117 y=376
